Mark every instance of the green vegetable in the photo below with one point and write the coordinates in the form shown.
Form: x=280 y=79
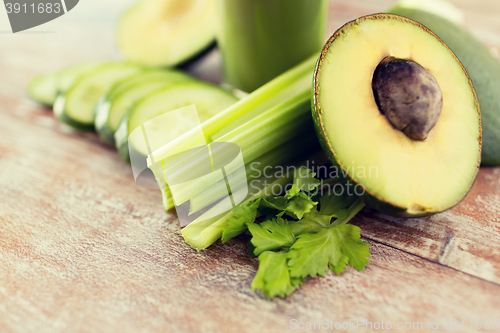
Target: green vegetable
x=167 y=32
x=76 y=107
x=272 y=120
x=45 y=88
x=240 y=217
x=482 y=67
x=312 y=222
x=269 y=118
x=114 y=105
x=208 y=99
x=273 y=277
x=304 y=181
x=363 y=66
x=202 y=232
x=271 y=234
x=333 y=247
x=319 y=241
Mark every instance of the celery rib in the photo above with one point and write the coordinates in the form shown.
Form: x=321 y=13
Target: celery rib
x=275 y=115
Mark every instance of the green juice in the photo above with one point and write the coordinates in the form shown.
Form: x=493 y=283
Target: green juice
x=260 y=39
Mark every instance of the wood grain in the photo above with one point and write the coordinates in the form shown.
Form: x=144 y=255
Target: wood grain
x=466 y=238
x=83 y=249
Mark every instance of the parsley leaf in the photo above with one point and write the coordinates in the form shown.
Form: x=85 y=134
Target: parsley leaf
x=273 y=277
x=271 y=235
x=241 y=216
x=333 y=247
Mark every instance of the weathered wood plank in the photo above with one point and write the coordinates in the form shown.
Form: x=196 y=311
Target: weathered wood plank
x=466 y=238
x=83 y=249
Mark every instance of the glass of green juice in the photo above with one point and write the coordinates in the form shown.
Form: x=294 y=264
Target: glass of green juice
x=260 y=39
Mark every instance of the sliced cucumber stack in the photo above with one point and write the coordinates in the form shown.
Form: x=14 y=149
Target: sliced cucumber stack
x=208 y=99
x=45 y=88
x=76 y=106
x=167 y=32
x=113 y=107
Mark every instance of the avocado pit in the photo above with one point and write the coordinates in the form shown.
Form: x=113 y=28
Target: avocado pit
x=408 y=95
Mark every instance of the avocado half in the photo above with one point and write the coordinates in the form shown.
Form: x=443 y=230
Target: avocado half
x=363 y=132
x=167 y=32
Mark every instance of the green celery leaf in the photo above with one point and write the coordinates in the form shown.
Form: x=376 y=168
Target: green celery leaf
x=303 y=181
x=354 y=209
x=312 y=223
x=336 y=205
x=300 y=205
x=342 y=264
x=251 y=250
x=313 y=254
x=273 y=278
x=352 y=246
x=269 y=206
x=241 y=216
x=271 y=235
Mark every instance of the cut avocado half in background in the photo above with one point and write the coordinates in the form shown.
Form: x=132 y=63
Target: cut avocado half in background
x=483 y=68
x=377 y=90
x=167 y=32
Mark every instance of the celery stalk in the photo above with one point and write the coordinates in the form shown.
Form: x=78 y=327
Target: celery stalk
x=280 y=156
x=294 y=82
x=202 y=233
x=266 y=119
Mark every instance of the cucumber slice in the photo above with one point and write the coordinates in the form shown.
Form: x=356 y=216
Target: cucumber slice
x=167 y=32
x=76 y=107
x=209 y=100
x=124 y=95
x=67 y=77
x=45 y=88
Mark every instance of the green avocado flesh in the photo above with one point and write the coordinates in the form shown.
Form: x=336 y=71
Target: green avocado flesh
x=401 y=176
x=482 y=67
x=167 y=32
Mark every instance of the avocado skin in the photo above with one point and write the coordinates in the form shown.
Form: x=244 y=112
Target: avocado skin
x=482 y=67
x=185 y=64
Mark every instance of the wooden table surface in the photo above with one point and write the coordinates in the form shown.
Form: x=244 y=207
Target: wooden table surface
x=83 y=249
